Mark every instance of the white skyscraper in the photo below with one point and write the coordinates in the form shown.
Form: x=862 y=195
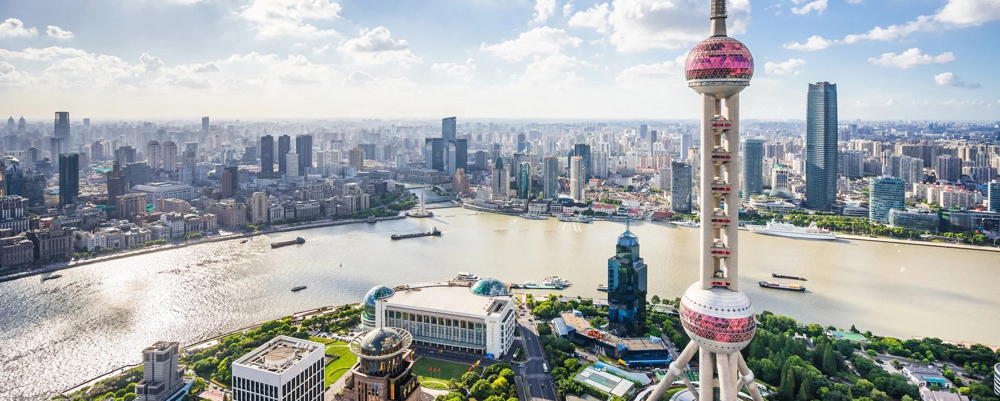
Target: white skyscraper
x=292 y=160
x=576 y=178
x=283 y=369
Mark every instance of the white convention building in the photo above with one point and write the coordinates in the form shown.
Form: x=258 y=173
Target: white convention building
x=283 y=369
x=475 y=318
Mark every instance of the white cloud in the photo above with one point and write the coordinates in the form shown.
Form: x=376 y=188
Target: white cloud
x=376 y=46
x=278 y=18
x=203 y=68
x=321 y=49
x=860 y=103
x=539 y=40
x=814 y=43
x=595 y=17
x=463 y=71
x=890 y=103
x=964 y=104
x=819 y=6
x=12 y=76
x=853 y=1
x=567 y=9
x=13 y=27
x=58 y=33
x=665 y=69
x=358 y=78
x=639 y=25
x=949 y=79
x=543 y=10
x=44 y=54
x=785 y=67
x=556 y=69
x=911 y=58
x=969 y=12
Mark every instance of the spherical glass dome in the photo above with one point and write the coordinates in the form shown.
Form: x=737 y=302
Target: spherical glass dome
x=373 y=295
x=719 y=319
x=719 y=65
x=381 y=342
x=488 y=287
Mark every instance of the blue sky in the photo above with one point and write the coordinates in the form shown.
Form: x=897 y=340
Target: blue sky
x=617 y=59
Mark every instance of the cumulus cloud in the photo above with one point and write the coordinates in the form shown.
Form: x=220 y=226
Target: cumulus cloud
x=376 y=46
x=539 y=40
x=790 y=66
x=12 y=76
x=463 y=71
x=567 y=8
x=279 y=18
x=553 y=70
x=595 y=17
x=911 y=58
x=207 y=67
x=949 y=79
x=358 y=78
x=543 y=10
x=44 y=54
x=818 y=6
x=321 y=49
x=13 y=27
x=955 y=14
x=814 y=43
x=58 y=33
x=639 y=25
x=653 y=71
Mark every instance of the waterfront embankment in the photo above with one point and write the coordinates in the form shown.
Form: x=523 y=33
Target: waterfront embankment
x=53 y=267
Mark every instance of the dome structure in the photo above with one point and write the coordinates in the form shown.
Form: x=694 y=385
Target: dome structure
x=381 y=343
x=720 y=66
x=718 y=319
x=489 y=287
x=368 y=303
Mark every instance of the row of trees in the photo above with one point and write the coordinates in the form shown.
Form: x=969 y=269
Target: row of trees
x=215 y=362
x=496 y=383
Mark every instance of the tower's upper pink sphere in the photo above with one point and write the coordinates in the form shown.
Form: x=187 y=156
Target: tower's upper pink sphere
x=719 y=65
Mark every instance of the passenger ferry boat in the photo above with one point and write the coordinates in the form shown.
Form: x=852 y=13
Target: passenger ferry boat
x=688 y=223
x=602 y=288
x=568 y=218
x=531 y=216
x=783 y=229
x=465 y=276
x=556 y=281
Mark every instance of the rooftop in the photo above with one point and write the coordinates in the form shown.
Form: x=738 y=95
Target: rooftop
x=279 y=354
x=453 y=297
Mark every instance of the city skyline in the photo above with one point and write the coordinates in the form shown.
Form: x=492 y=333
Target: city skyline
x=529 y=59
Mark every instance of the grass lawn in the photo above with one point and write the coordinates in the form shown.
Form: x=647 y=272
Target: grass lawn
x=439 y=379
x=340 y=366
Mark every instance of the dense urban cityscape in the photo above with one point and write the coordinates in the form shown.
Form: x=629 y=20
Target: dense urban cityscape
x=398 y=259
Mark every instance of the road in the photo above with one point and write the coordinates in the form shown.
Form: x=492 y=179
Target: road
x=534 y=382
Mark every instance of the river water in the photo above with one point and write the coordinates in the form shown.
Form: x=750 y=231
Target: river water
x=99 y=317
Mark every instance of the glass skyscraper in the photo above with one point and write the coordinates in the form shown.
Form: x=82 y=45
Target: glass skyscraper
x=821 y=146
x=887 y=193
x=627 y=288
x=753 y=167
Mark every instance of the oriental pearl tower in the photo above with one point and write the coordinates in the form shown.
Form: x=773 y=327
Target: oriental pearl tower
x=714 y=312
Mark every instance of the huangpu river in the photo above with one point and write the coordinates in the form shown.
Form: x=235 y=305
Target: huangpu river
x=99 y=317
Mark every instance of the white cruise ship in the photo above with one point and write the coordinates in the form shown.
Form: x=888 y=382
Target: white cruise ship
x=788 y=230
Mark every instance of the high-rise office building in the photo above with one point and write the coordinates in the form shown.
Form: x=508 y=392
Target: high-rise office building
x=97 y=151
x=500 y=178
x=267 y=154
x=887 y=193
x=117 y=184
x=821 y=146
x=663 y=178
x=284 y=146
x=125 y=155
x=304 y=148
x=521 y=144
x=583 y=150
x=753 y=167
x=154 y=154
x=851 y=163
x=162 y=376
x=461 y=159
x=258 y=208
x=627 y=288
x=356 y=158
x=717 y=316
x=643 y=129
x=169 y=156
x=993 y=196
x=434 y=154
x=576 y=178
x=69 y=178
x=283 y=369
x=449 y=129
x=205 y=127
x=230 y=181
x=292 y=164
x=62 y=131
x=523 y=180
x=680 y=187
x=550 y=177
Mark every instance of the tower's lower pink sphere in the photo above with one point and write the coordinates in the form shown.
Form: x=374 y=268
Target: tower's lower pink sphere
x=718 y=319
x=719 y=65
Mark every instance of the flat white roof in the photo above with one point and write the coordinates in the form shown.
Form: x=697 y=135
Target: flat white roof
x=279 y=354
x=447 y=297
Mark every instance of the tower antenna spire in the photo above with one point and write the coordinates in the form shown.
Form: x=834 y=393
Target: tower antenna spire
x=718 y=17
